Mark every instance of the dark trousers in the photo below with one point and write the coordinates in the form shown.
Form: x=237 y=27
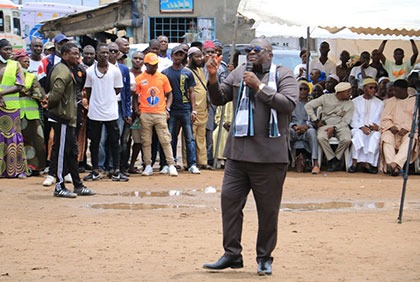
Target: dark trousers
x=64 y=154
x=266 y=182
x=113 y=135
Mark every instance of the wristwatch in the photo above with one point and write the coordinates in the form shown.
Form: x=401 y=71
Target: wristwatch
x=260 y=87
x=168 y=110
x=194 y=112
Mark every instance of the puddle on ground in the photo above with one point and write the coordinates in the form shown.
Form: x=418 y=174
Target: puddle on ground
x=142 y=194
x=134 y=206
x=331 y=206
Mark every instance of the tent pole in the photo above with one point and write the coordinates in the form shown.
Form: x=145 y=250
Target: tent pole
x=219 y=131
x=308 y=52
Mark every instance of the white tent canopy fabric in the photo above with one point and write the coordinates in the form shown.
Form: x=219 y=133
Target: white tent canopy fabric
x=373 y=17
x=283 y=30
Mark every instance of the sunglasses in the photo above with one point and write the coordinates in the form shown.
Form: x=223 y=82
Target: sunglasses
x=303 y=88
x=256 y=49
x=373 y=87
x=113 y=50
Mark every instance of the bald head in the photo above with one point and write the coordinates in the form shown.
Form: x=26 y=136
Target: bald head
x=123 y=45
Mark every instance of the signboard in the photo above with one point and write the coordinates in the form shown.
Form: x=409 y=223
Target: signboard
x=176 y=6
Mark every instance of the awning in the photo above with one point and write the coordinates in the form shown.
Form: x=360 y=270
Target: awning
x=116 y=14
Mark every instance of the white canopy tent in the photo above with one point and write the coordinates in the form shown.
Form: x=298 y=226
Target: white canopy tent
x=358 y=23
x=373 y=17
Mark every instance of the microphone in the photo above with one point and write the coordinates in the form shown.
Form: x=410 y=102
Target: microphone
x=249 y=66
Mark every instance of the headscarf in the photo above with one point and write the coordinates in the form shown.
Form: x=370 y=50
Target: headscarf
x=20 y=54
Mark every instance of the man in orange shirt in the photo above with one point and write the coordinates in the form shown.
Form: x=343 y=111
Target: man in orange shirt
x=155 y=99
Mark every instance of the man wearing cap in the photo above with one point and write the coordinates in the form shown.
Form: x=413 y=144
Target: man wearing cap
x=48 y=48
x=202 y=105
x=334 y=120
x=302 y=132
x=330 y=83
x=382 y=92
x=183 y=108
x=365 y=130
x=396 y=121
x=154 y=114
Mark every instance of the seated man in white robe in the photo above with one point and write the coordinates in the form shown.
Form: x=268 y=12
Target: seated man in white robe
x=366 y=128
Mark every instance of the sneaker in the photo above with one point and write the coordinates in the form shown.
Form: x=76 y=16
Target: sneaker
x=172 y=170
x=119 y=177
x=49 y=180
x=93 y=176
x=194 y=170
x=147 y=171
x=165 y=170
x=84 y=191
x=64 y=193
x=67 y=178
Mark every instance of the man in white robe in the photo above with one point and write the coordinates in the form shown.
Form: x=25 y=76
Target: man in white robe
x=366 y=128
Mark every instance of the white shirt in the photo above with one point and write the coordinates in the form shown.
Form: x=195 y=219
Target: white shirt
x=357 y=73
x=33 y=66
x=103 y=104
x=329 y=67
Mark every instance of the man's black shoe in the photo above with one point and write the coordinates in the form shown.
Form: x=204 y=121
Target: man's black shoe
x=330 y=165
x=264 y=267
x=352 y=169
x=225 y=262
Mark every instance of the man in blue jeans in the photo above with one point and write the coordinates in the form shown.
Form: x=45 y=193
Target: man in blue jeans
x=182 y=108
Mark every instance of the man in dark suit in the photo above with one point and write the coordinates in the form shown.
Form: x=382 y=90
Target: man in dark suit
x=256 y=149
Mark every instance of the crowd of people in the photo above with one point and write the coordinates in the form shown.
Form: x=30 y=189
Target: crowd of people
x=364 y=105
x=363 y=108
x=257 y=117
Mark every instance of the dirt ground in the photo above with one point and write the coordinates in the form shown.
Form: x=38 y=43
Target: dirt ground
x=333 y=227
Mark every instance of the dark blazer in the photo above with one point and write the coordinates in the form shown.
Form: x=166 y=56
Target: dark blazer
x=260 y=148
x=125 y=91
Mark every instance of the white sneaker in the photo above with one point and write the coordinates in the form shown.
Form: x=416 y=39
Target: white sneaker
x=194 y=170
x=172 y=170
x=165 y=170
x=147 y=171
x=68 y=179
x=49 y=180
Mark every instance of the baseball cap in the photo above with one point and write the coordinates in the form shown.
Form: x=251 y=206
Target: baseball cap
x=60 y=37
x=177 y=49
x=151 y=58
x=193 y=50
x=48 y=45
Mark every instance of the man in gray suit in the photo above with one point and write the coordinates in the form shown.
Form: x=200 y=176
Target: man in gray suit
x=264 y=97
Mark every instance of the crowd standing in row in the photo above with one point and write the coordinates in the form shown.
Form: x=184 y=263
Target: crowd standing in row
x=365 y=106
